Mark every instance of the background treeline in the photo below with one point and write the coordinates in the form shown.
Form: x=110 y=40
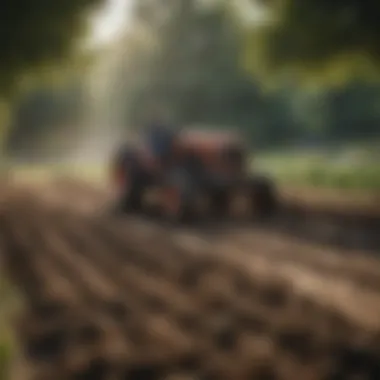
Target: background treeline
x=190 y=60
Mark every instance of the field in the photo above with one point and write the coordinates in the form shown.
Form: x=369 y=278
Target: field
x=348 y=167
x=106 y=298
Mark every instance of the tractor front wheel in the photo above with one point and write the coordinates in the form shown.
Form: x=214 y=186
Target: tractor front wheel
x=220 y=203
x=180 y=195
x=133 y=188
x=132 y=200
x=263 y=197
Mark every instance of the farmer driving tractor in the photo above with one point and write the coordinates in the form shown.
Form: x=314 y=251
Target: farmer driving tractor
x=185 y=168
x=159 y=137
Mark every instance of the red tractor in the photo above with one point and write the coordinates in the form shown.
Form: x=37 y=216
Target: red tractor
x=205 y=173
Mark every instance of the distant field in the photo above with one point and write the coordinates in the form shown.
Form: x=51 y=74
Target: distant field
x=345 y=168
x=93 y=172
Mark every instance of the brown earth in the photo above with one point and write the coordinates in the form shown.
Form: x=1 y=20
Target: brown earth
x=109 y=298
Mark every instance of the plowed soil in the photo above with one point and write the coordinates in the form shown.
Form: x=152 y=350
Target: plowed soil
x=106 y=298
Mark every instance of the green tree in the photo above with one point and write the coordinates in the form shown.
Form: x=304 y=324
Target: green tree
x=193 y=68
x=354 y=112
x=43 y=113
x=331 y=38
x=35 y=34
x=189 y=62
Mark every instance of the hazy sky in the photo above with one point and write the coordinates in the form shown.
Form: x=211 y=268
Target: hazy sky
x=109 y=22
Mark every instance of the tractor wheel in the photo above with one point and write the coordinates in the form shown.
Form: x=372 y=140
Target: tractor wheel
x=263 y=196
x=180 y=194
x=131 y=199
x=177 y=209
x=220 y=203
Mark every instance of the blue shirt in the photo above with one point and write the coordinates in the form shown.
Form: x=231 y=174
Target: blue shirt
x=159 y=138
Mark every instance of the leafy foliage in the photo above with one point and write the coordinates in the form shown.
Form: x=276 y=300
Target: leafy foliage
x=34 y=34
x=333 y=39
x=192 y=68
x=347 y=166
x=187 y=59
x=42 y=112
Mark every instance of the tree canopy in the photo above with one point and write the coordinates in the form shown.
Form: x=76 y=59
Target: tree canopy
x=37 y=33
x=192 y=67
x=336 y=37
x=186 y=58
x=43 y=114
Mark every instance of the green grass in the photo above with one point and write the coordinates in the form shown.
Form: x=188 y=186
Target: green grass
x=5 y=359
x=9 y=303
x=348 y=168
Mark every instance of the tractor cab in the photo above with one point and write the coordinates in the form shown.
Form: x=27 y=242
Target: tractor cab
x=218 y=152
x=213 y=150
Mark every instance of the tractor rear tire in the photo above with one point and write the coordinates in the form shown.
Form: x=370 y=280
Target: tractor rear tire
x=264 y=197
x=132 y=200
x=220 y=202
x=135 y=185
